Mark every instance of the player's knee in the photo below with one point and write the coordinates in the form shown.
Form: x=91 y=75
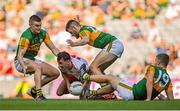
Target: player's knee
x=93 y=67
x=56 y=74
x=110 y=79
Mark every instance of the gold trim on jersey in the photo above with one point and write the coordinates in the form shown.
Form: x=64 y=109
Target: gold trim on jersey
x=125 y=86
x=109 y=47
x=24 y=43
x=92 y=36
x=47 y=39
x=149 y=70
x=84 y=33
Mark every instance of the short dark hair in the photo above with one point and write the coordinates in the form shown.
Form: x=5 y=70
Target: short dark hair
x=63 y=55
x=34 y=18
x=71 y=23
x=163 y=59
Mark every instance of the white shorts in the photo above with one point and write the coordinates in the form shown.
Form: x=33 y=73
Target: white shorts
x=18 y=65
x=124 y=90
x=116 y=47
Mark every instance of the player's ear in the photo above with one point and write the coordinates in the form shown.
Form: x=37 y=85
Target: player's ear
x=30 y=24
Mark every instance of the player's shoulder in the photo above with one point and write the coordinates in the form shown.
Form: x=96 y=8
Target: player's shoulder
x=150 y=68
x=77 y=60
x=27 y=33
x=43 y=32
x=90 y=28
x=75 y=57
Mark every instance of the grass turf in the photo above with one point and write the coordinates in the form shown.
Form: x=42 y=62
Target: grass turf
x=59 y=104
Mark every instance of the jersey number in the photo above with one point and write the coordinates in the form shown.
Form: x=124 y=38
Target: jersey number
x=162 y=79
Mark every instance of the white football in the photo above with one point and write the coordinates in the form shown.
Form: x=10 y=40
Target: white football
x=76 y=88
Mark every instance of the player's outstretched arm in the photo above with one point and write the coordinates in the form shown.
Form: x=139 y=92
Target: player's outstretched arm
x=50 y=45
x=81 y=42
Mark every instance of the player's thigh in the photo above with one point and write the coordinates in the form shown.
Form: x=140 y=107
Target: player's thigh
x=49 y=70
x=104 y=58
x=124 y=89
x=62 y=89
x=32 y=66
x=113 y=80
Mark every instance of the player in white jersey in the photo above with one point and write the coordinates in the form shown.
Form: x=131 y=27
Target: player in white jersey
x=71 y=68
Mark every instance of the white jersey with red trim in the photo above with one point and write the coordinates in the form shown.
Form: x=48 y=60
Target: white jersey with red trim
x=80 y=66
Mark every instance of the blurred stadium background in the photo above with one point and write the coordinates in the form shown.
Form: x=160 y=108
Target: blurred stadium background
x=146 y=27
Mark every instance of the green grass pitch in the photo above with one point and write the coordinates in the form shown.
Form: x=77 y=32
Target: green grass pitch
x=60 y=104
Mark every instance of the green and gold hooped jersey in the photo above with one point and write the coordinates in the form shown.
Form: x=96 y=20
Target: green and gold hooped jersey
x=161 y=82
x=96 y=38
x=32 y=42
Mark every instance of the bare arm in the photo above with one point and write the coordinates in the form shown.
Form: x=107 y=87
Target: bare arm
x=20 y=58
x=169 y=93
x=23 y=46
x=83 y=41
x=149 y=83
x=67 y=81
x=50 y=45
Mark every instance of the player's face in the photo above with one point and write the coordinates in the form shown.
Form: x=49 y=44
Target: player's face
x=35 y=27
x=74 y=32
x=65 y=64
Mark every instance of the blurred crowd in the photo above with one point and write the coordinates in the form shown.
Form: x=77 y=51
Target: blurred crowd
x=146 y=27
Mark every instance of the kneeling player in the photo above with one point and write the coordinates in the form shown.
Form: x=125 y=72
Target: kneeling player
x=71 y=68
x=156 y=79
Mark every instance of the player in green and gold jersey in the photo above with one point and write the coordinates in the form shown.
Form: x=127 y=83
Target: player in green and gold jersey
x=156 y=80
x=25 y=61
x=112 y=47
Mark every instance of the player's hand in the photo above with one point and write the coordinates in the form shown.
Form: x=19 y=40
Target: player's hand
x=70 y=42
x=24 y=70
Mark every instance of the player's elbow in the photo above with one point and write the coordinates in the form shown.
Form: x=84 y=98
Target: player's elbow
x=59 y=93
